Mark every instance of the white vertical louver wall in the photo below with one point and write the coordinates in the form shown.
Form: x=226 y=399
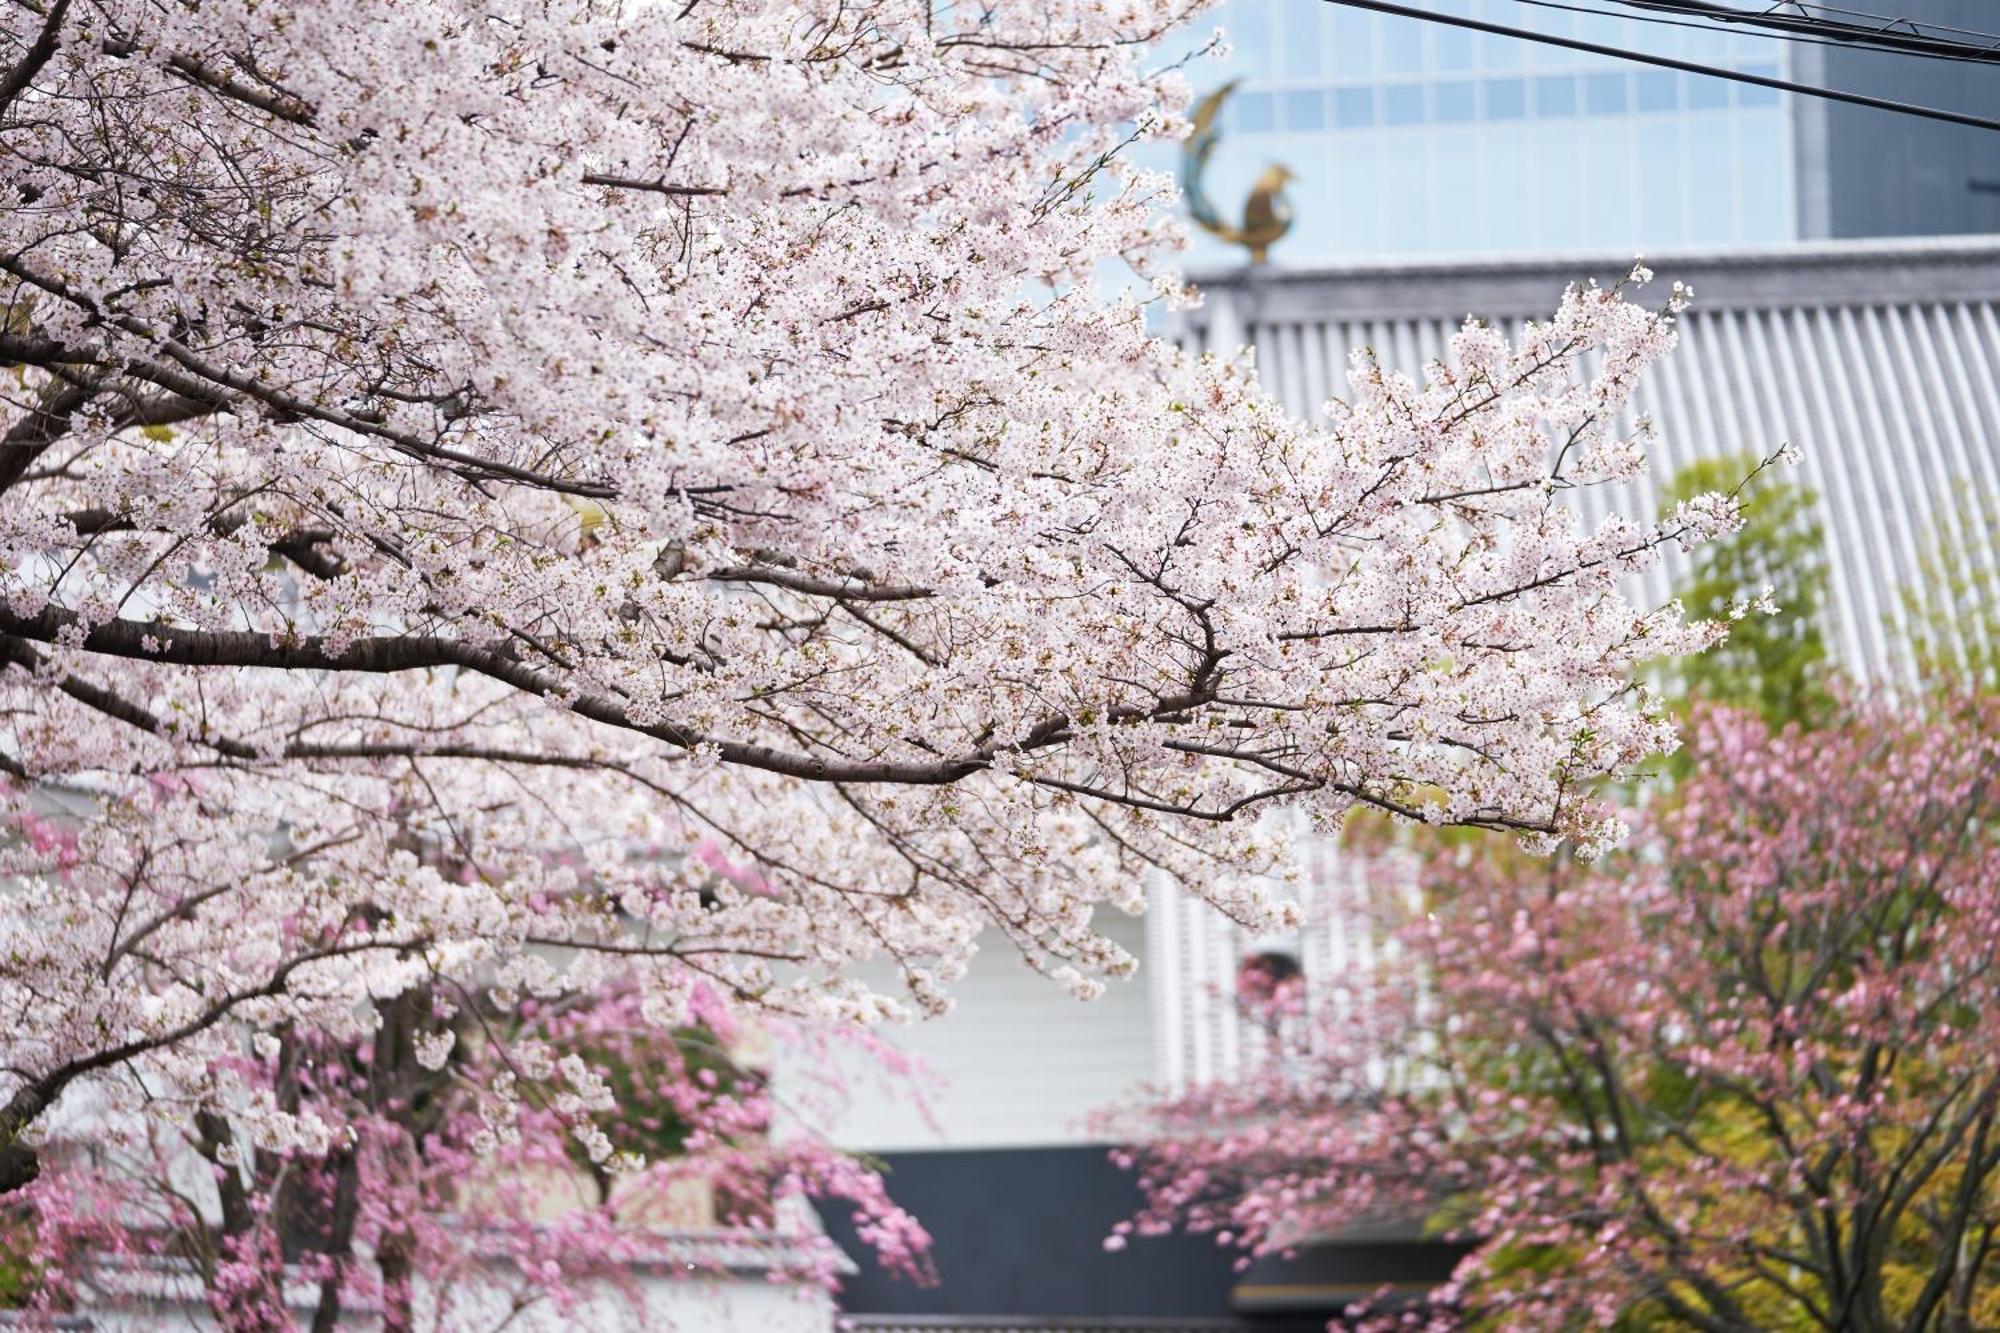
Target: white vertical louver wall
x=1880 y=361
x=1192 y=955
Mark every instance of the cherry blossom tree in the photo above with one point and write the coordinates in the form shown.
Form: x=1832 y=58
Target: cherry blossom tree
x=494 y=499
x=450 y=1203
x=1743 y=1077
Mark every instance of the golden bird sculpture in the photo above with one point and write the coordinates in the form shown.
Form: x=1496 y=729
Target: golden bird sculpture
x=1267 y=214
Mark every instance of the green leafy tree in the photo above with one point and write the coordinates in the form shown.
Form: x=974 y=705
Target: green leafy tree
x=1951 y=612
x=1775 y=665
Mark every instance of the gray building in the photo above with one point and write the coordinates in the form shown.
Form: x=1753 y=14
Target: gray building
x=1861 y=172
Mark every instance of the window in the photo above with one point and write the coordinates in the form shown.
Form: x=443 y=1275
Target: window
x=1249 y=33
x=1604 y=94
x=1255 y=113
x=1555 y=96
x=1506 y=99
x=1451 y=48
x=1353 y=108
x=1556 y=23
x=1657 y=90
x=1749 y=94
x=1303 y=110
x=1353 y=42
x=1497 y=52
x=1454 y=102
x=1301 y=40
x=1404 y=104
x=1270 y=986
x=1706 y=93
x=1402 y=45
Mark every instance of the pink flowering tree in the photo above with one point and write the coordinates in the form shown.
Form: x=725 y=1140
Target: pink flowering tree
x=459 y=1192
x=609 y=441
x=1745 y=1077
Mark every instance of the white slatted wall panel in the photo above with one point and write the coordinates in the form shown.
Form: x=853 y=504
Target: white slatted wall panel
x=1894 y=403
x=1894 y=407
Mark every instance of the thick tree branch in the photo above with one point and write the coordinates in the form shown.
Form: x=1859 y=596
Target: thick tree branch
x=35 y=57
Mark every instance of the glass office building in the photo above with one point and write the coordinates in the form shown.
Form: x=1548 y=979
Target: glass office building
x=1412 y=137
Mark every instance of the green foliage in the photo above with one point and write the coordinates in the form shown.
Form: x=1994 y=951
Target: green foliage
x=647 y=1073
x=1775 y=665
x=1951 y=614
x=20 y=1278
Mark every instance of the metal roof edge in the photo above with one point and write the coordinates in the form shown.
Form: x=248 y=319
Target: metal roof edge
x=1820 y=273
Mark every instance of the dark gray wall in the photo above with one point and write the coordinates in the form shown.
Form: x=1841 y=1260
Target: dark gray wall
x=1864 y=172
x=1020 y=1231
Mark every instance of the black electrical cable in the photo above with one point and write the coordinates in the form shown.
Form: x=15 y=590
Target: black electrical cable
x=1882 y=32
x=1669 y=62
x=1973 y=55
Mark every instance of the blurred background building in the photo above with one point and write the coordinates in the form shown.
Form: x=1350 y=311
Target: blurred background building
x=1414 y=137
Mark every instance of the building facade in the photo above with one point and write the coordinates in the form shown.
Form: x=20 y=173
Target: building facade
x=1867 y=173
x=1409 y=137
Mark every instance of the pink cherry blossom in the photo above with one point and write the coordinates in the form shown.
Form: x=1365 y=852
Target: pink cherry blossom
x=1743 y=1076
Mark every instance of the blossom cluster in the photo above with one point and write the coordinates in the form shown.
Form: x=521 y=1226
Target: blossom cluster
x=1743 y=1077
x=466 y=1175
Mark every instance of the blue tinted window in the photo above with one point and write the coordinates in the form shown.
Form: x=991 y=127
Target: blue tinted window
x=1748 y=46
x=1556 y=96
x=1353 y=108
x=1604 y=94
x=1713 y=221
x=1454 y=101
x=1506 y=99
x=1706 y=94
x=1304 y=110
x=1451 y=47
x=1404 y=103
x=1708 y=45
x=1766 y=185
x=1255 y=113
x=1604 y=29
x=1749 y=94
x=1497 y=52
x=1249 y=30
x=1301 y=40
x=1555 y=22
x=1657 y=89
x=1402 y=46
x=1353 y=41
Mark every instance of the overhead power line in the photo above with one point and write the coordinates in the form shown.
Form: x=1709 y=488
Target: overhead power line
x=1880 y=32
x=1973 y=53
x=1670 y=62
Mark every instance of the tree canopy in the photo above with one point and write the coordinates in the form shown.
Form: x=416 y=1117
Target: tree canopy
x=495 y=500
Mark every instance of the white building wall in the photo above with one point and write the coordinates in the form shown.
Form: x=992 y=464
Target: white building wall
x=1018 y=1061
